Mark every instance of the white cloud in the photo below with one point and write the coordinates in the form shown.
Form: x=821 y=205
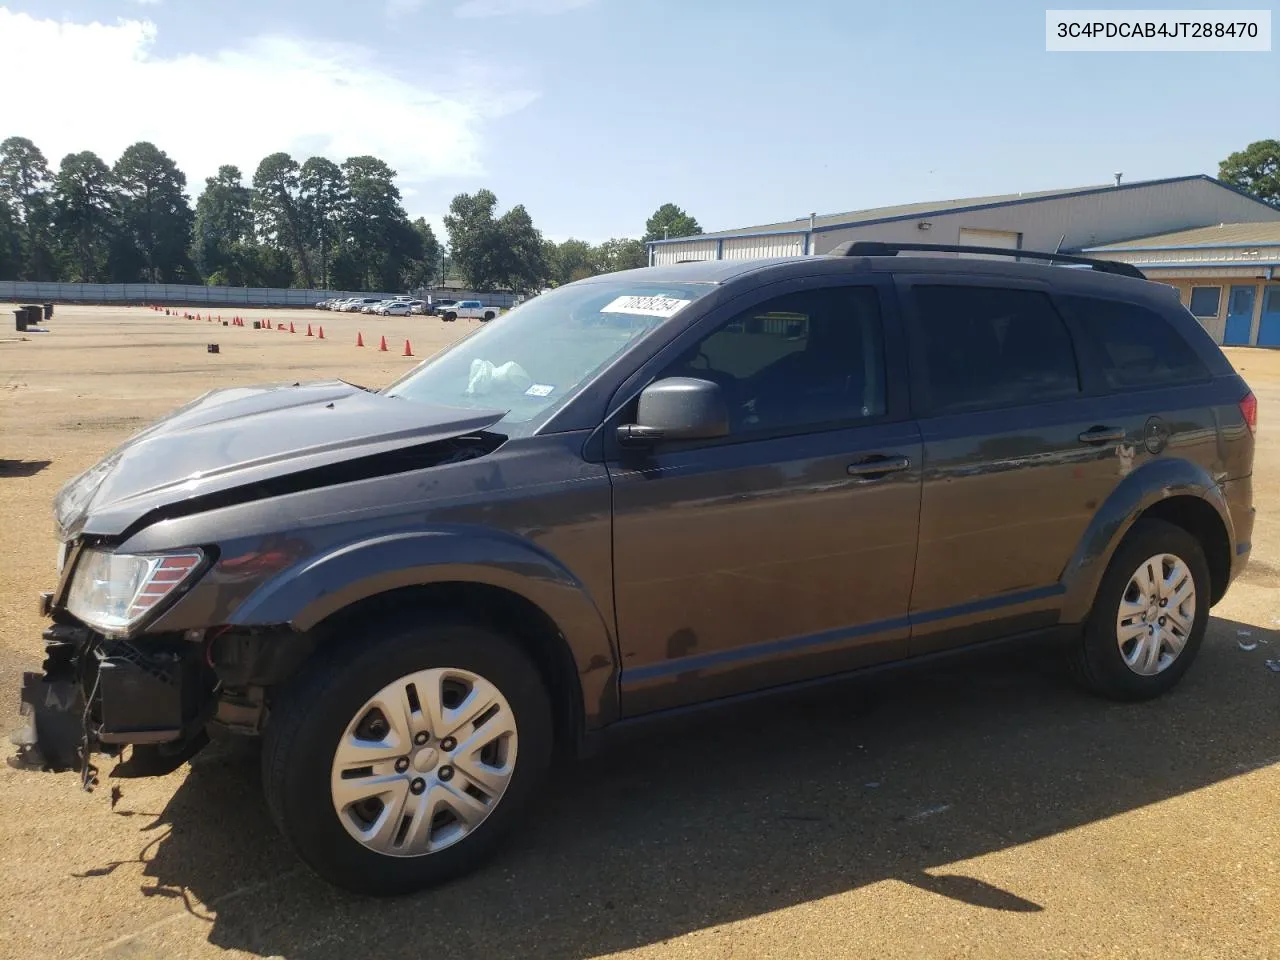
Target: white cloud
x=115 y=85
x=478 y=9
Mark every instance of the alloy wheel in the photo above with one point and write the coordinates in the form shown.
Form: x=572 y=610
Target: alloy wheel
x=1157 y=612
x=424 y=762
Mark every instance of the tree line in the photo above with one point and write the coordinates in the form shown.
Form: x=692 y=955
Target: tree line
x=1255 y=170
x=315 y=224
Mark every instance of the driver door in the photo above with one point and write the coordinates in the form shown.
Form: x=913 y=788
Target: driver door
x=786 y=550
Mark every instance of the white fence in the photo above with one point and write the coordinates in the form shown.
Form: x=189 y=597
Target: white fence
x=26 y=291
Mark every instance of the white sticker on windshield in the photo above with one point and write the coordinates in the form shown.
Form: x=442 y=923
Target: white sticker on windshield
x=645 y=306
x=539 y=390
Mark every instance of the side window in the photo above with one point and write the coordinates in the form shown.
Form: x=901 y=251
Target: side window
x=1205 y=300
x=1137 y=346
x=992 y=347
x=797 y=362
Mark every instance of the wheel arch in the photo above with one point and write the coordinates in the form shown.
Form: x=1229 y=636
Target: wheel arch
x=499 y=580
x=484 y=604
x=1177 y=491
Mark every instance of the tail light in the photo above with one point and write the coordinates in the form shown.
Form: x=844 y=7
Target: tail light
x=1249 y=409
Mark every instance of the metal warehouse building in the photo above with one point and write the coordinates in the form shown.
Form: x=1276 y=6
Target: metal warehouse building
x=1067 y=220
x=1228 y=275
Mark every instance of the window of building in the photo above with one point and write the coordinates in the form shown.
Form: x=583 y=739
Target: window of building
x=990 y=347
x=797 y=362
x=1205 y=301
x=1138 y=347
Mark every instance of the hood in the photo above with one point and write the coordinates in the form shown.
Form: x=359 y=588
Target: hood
x=240 y=436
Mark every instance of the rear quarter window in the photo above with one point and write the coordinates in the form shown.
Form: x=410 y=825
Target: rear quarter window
x=1135 y=345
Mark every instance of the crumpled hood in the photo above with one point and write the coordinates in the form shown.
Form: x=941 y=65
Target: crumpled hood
x=244 y=435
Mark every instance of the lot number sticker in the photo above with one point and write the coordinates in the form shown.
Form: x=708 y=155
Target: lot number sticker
x=539 y=390
x=645 y=306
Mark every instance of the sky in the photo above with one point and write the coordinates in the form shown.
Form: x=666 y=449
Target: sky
x=592 y=113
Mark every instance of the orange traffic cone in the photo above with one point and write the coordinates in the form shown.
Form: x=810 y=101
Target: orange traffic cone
x=291 y=330
x=321 y=337
x=359 y=339
x=407 y=351
x=309 y=333
x=382 y=348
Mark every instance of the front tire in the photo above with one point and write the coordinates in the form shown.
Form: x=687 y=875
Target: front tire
x=401 y=760
x=1149 y=617
x=450 y=317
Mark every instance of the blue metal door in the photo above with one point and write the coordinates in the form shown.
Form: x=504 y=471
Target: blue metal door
x=1239 y=316
x=1269 y=325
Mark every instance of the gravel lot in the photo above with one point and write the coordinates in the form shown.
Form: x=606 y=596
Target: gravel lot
x=988 y=810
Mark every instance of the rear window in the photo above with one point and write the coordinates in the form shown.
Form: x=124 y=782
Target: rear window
x=990 y=347
x=1137 y=346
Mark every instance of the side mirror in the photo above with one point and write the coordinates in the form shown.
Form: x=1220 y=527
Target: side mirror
x=678 y=408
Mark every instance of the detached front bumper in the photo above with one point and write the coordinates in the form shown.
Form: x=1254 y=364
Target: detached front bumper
x=96 y=695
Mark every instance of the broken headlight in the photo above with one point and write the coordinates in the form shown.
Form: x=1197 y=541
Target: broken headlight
x=111 y=592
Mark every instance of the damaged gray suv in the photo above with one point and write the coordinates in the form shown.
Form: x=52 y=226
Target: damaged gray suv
x=632 y=495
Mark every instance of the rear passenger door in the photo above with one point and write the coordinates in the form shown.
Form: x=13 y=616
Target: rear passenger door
x=1158 y=389
x=1017 y=457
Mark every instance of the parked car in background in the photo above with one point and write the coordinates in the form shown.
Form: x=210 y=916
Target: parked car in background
x=437 y=308
x=469 y=310
x=358 y=304
x=394 y=308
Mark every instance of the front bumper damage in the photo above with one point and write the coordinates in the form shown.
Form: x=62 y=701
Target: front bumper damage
x=97 y=695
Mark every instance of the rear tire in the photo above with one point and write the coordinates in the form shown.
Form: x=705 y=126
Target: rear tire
x=1138 y=642
x=450 y=317
x=316 y=722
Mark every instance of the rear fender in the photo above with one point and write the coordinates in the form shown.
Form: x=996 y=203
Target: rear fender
x=306 y=594
x=1149 y=484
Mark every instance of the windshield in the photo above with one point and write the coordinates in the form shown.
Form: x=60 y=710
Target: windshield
x=532 y=360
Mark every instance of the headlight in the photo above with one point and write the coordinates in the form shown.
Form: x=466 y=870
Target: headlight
x=113 y=591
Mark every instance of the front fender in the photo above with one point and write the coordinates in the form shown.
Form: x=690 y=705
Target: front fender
x=1152 y=482
x=305 y=594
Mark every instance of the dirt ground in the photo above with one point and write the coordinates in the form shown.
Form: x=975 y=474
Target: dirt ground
x=985 y=810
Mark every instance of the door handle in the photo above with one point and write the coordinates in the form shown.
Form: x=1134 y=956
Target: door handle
x=873 y=468
x=1102 y=435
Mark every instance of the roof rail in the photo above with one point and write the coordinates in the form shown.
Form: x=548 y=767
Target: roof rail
x=875 y=248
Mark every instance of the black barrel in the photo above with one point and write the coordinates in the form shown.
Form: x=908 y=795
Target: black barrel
x=48 y=311
x=34 y=314
x=20 y=319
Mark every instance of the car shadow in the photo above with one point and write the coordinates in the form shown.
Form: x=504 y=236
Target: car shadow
x=748 y=811
x=22 y=468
